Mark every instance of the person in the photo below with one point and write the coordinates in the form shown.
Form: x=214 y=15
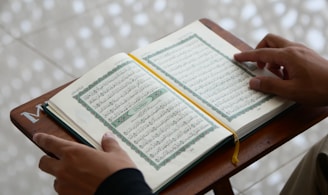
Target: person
x=304 y=78
x=80 y=169
x=303 y=74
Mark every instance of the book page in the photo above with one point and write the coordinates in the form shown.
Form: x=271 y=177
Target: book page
x=161 y=132
x=200 y=64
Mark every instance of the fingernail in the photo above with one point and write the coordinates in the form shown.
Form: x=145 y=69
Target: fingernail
x=236 y=55
x=255 y=83
x=35 y=137
x=109 y=134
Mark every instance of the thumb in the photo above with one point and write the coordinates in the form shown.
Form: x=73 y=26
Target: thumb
x=109 y=142
x=269 y=85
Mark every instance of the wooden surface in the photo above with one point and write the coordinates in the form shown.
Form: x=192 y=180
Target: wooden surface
x=214 y=171
x=44 y=123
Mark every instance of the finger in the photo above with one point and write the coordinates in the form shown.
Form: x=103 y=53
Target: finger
x=274 y=41
x=109 y=142
x=271 y=85
x=48 y=165
x=51 y=143
x=263 y=56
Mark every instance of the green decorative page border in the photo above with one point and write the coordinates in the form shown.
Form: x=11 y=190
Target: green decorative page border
x=138 y=107
x=195 y=36
x=142 y=103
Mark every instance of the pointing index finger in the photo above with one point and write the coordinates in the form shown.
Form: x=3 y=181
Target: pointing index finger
x=262 y=56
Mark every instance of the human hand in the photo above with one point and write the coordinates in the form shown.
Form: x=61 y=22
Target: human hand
x=303 y=73
x=80 y=169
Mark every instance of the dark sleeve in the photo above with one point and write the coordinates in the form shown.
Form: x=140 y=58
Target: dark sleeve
x=124 y=182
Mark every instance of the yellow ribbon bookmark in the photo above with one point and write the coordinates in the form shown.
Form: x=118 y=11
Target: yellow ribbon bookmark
x=236 y=139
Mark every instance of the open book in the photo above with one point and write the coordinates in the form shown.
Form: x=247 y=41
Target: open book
x=170 y=103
